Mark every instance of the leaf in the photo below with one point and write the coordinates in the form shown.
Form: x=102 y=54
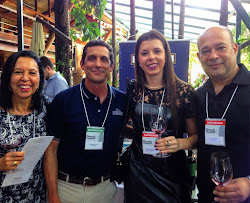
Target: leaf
x=83 y=7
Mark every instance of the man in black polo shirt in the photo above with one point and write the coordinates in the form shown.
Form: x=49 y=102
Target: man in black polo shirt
x=86 y=120
x=224 y=97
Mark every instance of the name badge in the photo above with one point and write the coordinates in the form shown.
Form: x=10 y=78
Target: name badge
x=215 y=132
x=94 y=138
x=148 y=143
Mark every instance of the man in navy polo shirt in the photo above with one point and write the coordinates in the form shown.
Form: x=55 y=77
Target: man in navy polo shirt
x=86 y=121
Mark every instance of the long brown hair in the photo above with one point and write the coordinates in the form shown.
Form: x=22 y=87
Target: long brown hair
x=169 y=78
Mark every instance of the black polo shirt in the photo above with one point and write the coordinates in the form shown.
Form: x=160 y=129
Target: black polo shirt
x=67 y=122
x=237 y=130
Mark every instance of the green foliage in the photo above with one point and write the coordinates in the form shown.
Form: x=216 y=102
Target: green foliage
x=88 y=30
x=244 y=37
x=63 y=62
x=193 y=60
x=118 y=40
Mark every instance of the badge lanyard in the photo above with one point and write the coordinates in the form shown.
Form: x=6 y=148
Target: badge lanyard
x=143 y=105
x=149 y=138
x=227 y=105
x=86 y=113
x=11 y=130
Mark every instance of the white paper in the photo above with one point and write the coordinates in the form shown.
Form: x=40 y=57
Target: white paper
x=33 y=151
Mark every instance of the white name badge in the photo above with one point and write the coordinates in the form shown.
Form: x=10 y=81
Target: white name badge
x=215 y=132
x=148 y=143
x=94 y=138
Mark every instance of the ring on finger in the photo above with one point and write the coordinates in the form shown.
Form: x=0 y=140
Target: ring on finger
x=168 y=144
x=14 y=163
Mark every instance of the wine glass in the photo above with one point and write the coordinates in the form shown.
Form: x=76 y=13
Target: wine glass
x=10 y=143
x=158 y=124
x=10 y=139
x=221 y=168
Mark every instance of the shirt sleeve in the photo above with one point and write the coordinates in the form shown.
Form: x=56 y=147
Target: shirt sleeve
x=55 y=118
x=59 y=86
x=190 y=103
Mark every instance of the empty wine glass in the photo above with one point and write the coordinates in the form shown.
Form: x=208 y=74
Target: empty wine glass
x=221 y=168
x=158 y=124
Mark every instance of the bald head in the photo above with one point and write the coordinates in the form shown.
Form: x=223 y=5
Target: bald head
x=218 y=29
x=217 y=53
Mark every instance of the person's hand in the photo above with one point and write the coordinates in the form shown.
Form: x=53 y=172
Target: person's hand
x=11 y=160
x=167 y=145
x=238 y=190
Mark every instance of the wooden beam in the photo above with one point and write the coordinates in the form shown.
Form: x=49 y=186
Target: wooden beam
x=15 y=11
x=10 y=38
x=8 y=47
x=55 y=30
x=108 y=35
x=13 y=17
x=106 y=19
x=32 y=12
x=49 y=8
x=13 y=29
x=78 y=41
x=49 y=42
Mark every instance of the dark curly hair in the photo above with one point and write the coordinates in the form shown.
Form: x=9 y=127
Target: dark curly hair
x=6 y=93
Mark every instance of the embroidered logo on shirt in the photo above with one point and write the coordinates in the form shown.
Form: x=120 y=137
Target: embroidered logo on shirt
x=117 y=112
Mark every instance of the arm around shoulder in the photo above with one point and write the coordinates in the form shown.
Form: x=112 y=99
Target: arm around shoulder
x=51 y=171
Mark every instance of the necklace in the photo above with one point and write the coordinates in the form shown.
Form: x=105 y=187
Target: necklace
x=154 y=88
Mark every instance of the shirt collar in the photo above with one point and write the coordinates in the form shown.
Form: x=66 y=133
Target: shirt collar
x=241 y=78
x=89 y=95
x=53 y=76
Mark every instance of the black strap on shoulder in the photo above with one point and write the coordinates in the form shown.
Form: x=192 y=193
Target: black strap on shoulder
x=129 y=91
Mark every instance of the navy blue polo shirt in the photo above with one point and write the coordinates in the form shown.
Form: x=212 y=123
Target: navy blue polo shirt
x=67 y=122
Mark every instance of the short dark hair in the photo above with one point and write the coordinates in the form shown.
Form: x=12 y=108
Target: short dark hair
x=5 y=91
x=93 y=43
x=45 y=61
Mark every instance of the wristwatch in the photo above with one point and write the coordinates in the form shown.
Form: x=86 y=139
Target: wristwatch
x=248 y=177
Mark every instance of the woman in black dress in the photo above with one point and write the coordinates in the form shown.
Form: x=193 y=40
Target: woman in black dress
x=152 y=179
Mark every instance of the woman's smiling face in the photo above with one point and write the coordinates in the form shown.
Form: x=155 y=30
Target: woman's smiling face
x=152 y=58
x=25 y=78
